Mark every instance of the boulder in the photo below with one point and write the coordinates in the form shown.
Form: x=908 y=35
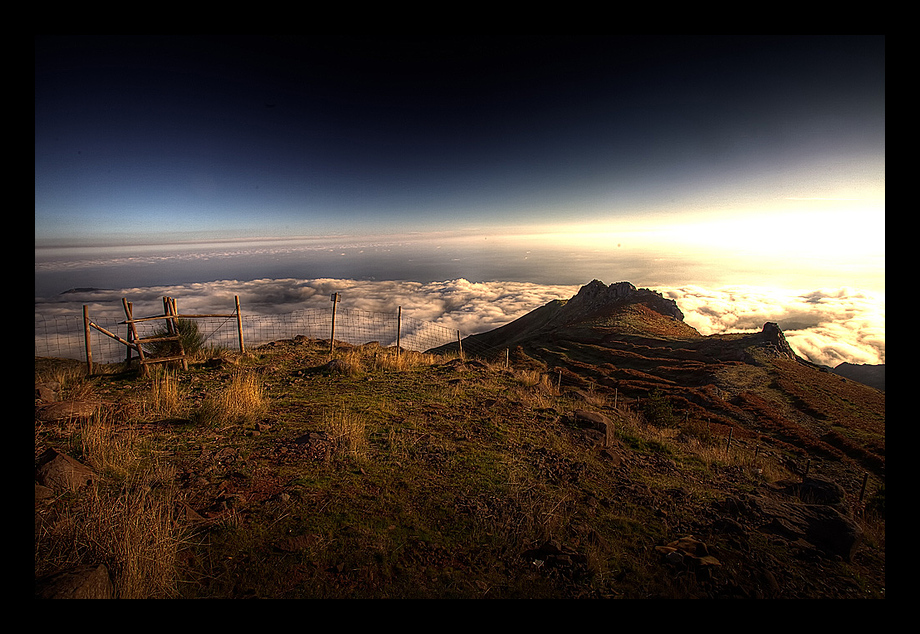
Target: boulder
x=589 y=419
x=780 y=510
x=59 y=471
x=815 y=490
x=823 y=526
x=552 y=554
x=687 y=550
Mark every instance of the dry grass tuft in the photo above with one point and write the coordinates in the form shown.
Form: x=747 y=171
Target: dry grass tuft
x=348 y=433
x=242 y=401
x=164 y=398
x=105 y=447
x=405 y=360
x=73 y=381
x=127 y=519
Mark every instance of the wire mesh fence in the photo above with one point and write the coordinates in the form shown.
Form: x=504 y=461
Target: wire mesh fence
x=63 y=335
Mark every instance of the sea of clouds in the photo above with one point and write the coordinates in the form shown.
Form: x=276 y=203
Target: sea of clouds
x=825 y=326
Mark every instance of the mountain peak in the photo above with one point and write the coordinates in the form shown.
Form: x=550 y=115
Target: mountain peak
x=597 y=310
x=597 y=295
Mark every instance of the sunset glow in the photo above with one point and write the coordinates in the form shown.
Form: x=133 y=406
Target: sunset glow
x=672 y=162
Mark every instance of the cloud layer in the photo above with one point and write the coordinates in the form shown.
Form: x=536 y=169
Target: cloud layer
x=825 y=326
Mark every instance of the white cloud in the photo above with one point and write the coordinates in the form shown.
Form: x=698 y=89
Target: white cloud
x=826 y=326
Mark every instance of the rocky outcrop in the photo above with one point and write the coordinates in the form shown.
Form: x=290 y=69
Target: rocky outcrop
x=593 y=305
x=775 y=341
x=597 y=295
x=811 y=513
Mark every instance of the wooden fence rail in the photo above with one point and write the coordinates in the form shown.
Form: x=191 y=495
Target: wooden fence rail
x=135 y=343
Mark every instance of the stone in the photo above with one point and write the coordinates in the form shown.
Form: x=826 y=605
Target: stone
x=42 y=492
x=816 y=490
x=47 y=392
x=589 y=419
x=552 y=554
x=66 y=410
x=780 y=510
x=689 y=550
x=59 y=471
x=775 y=340
x=85 y=582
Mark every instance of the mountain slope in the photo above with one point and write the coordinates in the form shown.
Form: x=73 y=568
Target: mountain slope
x=871 y=375
x=634 y=342
x=619 y=454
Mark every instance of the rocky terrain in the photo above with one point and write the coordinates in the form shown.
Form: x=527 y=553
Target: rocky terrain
x=595 y=448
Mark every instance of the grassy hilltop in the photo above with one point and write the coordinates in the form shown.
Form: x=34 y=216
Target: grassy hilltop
x=609 y=467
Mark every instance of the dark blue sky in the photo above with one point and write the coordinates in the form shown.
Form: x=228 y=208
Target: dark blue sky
x=266 y=136
x=660 y=160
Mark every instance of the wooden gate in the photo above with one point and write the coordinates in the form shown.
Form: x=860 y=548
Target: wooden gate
x=135 y=343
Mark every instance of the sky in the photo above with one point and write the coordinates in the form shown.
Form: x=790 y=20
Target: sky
x=690 y=163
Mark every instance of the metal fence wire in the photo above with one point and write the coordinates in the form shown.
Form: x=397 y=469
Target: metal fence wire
x=63 y=335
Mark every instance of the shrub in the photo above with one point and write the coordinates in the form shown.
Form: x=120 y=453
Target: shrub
x=657 y=410
x=191 y=338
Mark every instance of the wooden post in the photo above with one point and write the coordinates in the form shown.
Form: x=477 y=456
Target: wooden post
x=507 y=358
x=132 y=333
x=131 y=339
x=398 y=329
x=173 y=310
x=335 y=301
x=87 y=344
x=170 y=324
x=862 y=490
x=729 y=443
x=239 y=323
x=460 y=345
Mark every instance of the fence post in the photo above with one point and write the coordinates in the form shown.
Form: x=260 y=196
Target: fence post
x=130 y=339
x=88 y=345
x=398 y=329
x=239 y=323
x=460 y=345
x=174 y=310
x=335 y=301
x=132 y=333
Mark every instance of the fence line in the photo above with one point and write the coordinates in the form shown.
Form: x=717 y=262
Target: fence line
x=63 y=335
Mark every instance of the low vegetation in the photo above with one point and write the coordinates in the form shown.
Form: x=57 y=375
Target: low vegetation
x=284 y=474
